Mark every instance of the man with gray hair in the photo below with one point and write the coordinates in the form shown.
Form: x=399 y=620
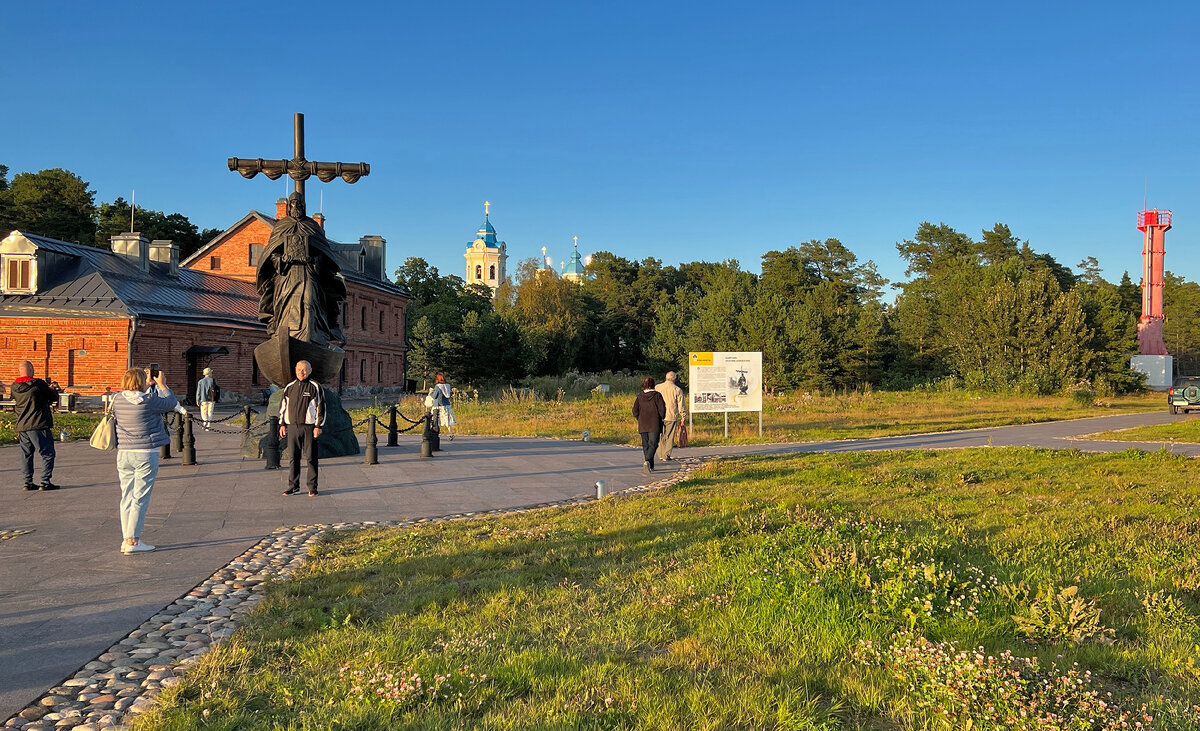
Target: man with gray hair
x=673 y=395
x=301 y=416
x=34 y=423
x=206 y=396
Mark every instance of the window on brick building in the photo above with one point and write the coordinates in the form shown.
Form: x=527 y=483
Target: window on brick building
x=18 y=274
x=343 y=323
x=214 y=263
x=256 y=251
x=379 y=372
x=362 y=320
x=362 y=371
x=253 y=372
x=381 y=321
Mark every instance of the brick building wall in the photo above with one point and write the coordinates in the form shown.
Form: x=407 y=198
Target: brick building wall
x=84 y=355
x=167 y=343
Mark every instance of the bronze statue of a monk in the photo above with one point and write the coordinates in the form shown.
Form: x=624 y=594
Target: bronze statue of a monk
x=300 y=285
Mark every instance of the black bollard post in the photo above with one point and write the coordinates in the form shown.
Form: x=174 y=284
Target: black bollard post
x=372 y=452
x=271 y=447
x=426 y=438
x=164 y=452
x=189 y=442
x=248 y=413
x=435 y=441
x=177 y=434
x=392 y=434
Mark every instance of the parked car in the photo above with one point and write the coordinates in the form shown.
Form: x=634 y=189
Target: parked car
x=1184 y=394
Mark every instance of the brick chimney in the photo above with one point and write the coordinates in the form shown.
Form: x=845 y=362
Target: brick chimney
x=281 y=208
x=320 y=219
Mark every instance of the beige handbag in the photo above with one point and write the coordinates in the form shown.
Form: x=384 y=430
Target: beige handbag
x=104 y=436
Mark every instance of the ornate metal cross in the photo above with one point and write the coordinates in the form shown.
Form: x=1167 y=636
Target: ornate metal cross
x=299 y=169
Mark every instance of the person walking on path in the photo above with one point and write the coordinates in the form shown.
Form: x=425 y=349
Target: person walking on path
x=649 y=409
x=441 y=401
x=673 y=397
x=206 y=396
x=138 y=412
x=34 y=424
x=301 y=416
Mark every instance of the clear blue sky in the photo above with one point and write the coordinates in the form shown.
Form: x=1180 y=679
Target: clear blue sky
x=681 y=130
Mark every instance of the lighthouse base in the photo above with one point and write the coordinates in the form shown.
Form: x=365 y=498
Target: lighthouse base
x=1159 y=370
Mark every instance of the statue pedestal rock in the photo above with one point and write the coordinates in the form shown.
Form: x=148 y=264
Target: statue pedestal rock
x=337 y=437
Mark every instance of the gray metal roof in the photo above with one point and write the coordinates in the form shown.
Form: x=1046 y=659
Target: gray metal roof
x=97 y=281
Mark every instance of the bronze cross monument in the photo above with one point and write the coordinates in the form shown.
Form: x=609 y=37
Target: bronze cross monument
x=299 y=169
x=300 y=286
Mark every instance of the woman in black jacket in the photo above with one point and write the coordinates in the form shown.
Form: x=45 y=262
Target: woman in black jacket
x=650 y=410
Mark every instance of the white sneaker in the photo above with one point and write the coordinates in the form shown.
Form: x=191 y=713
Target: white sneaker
x=139 y=547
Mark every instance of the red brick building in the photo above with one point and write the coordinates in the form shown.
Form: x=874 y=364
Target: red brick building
x=82 y=314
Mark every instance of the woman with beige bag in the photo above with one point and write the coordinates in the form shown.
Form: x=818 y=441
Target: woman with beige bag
x=138 y=415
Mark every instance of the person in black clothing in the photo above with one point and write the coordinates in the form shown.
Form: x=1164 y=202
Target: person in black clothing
x=650 y=410
x=34 y=424
x=301 y=416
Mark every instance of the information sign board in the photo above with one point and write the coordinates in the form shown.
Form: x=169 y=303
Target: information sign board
x=724 y=382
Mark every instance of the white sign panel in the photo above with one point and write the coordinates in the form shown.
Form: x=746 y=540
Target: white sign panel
x=721 y=382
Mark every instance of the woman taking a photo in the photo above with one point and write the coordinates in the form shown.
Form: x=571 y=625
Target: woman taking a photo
x=138 y=414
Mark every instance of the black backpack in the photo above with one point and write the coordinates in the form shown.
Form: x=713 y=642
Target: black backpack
x=215 y=392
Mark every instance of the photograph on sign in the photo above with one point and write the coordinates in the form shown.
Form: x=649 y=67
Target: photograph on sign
x=722 y=382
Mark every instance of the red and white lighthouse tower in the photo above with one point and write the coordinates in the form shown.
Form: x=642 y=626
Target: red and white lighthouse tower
x=1154 y=225
x=1152 y=358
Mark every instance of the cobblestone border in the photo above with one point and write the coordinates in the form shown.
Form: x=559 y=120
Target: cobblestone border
x=125 y=680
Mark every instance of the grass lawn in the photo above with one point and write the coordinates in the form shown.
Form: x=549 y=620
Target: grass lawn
x=77 y=426
x=1187 y=430
x=791 y=418
x=974 y=589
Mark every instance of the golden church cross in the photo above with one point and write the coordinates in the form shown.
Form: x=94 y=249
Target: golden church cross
x=485 y=208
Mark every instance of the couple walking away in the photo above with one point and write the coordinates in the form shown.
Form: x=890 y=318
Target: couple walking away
x=658 y=412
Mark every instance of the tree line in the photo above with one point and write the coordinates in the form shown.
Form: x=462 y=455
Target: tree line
x=990 y=313
x=59 y=204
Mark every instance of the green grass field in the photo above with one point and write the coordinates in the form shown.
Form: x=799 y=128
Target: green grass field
x=792 y=418
x=1180 y=431
x=975 y=589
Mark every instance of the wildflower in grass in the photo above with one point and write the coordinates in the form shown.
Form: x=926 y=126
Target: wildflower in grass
x=971 y=689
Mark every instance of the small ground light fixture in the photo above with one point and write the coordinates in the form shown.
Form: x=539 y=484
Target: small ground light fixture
x=587 y=435
x=601 y=489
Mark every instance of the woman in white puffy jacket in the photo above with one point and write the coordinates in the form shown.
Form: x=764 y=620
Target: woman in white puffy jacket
x=439 y=398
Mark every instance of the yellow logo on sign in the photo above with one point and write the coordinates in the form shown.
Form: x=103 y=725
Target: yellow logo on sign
x=701 y=359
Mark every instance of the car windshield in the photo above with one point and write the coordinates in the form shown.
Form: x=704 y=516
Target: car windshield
x=1187 y=381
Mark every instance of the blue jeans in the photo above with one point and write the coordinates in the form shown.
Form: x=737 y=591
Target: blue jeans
x=137 y=471
x=42 y=441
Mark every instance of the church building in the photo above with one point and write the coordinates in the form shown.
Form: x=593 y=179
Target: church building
x=84 y=314
x=486 y=256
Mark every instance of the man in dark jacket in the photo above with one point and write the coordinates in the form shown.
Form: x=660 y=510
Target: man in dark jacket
x=34 y=424
x=650 y=410
x=301 y=416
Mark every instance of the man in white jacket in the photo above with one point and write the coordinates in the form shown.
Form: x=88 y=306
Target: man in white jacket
x=301 y=416
x=676 y=405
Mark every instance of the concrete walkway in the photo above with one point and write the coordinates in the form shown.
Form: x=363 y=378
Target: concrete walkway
x=67 y=593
